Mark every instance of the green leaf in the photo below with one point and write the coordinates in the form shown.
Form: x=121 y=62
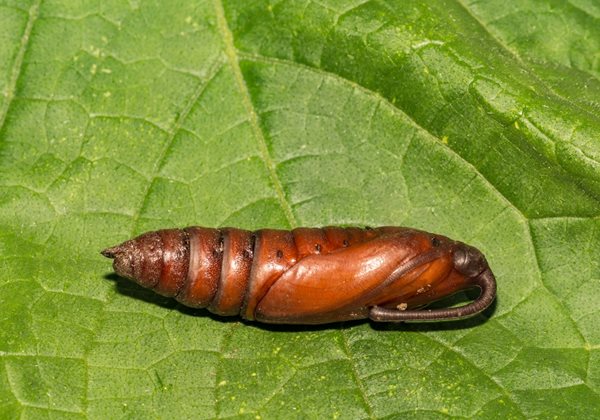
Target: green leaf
x=474 y=119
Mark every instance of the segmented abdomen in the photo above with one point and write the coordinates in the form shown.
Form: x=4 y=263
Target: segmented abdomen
x=227 y=270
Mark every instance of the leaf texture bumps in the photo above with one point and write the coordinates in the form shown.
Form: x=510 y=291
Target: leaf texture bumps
x=460 y=117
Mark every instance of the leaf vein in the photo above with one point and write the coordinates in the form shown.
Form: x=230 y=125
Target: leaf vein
x=232 y=56
x=483 y=372
x=18 y=64
x=521 y=62
x=408 y=118
x=357 y=378
x=172 y=132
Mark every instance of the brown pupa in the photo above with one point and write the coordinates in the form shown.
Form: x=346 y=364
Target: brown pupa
x=308 y=275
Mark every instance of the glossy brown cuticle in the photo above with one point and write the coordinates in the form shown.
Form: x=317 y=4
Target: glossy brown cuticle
x=308 y=275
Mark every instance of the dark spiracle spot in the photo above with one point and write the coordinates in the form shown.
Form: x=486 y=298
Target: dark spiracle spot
x=435 y=242
x=279 y=253
x=318 y=247
x=346 y=243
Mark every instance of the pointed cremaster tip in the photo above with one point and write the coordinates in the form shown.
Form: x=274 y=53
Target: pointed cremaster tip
x=110 y=252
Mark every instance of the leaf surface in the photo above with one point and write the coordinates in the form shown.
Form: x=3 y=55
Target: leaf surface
x=472 y=119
